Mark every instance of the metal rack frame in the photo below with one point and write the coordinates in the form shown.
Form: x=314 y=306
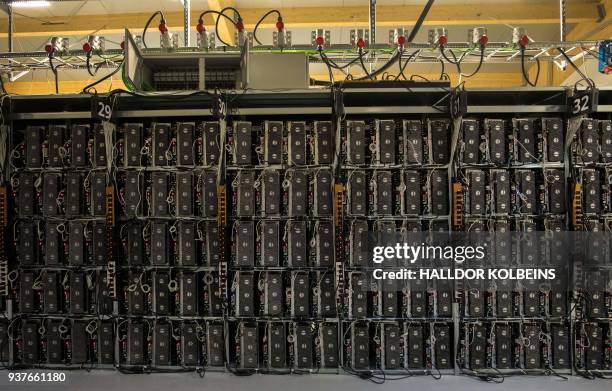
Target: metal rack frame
x=495 y=52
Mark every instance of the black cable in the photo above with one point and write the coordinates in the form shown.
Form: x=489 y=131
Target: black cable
x=144 y=31
x=429 y=368
x=262 y=19
x=219 y=15
x=315 y=82
x=239 y=371
x=419 y=22
x=334 y=65
x=397 y=376
x=329 y=67
x=336 y=91
x=236 y=12
x=482 y=51
x=402 y=67
x=159 y=97
x=442 y=74
x=551 y=371
x=277 y=372
x=217 y=27
x=203 y=14
x=222 y=13
x=130 y=371
x=442 y=48
x=499 y=374
x=585 y=373
x=412 y=77
x=438 y=376
x=54 y=71
x=383 y=68
x=486 y=377
x=365 y=375
x=89 y=86
x=569 y=60
x=365 y=70
x=525 y=75
x=88 y=64
x=456 y=62
x=600 y=375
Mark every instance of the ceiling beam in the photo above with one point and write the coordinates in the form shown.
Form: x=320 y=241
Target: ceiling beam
x=312 y=17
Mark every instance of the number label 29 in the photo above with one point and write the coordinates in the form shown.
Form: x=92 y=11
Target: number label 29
x=101 y=108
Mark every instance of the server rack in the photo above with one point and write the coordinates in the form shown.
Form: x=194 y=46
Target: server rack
x=510 y=180
x=395 y=104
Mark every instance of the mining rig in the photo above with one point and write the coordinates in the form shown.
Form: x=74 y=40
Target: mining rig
x=175 y=239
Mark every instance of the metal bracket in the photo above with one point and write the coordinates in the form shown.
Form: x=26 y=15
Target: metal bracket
x=281 y=39
x=320 y=33
x=60 y=45
x=242 y=37
x=395 y=33
x=207 y=40
x=168 y=41
x=356 y=34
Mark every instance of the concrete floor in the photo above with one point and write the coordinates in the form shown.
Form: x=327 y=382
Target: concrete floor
x=114 y=381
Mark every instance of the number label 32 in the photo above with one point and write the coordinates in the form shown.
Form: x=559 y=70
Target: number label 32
x=582 y=102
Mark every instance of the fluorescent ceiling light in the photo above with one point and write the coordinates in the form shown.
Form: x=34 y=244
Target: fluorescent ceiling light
x=30 y=4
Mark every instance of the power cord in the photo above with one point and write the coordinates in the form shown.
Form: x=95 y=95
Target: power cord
x=144 y=31
x=54 y=71
x=525 y=76
x=279 y=19
x=365 y=70
x=456 y=62
x=329 y=66
x=88 y=64
x=87 y=88
x=238 y=24
x=219 y=15
x=482 y=51
x=443 y=75
x=402 y=67
x=589 y=81
x=486 y=377
x=383 y=68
